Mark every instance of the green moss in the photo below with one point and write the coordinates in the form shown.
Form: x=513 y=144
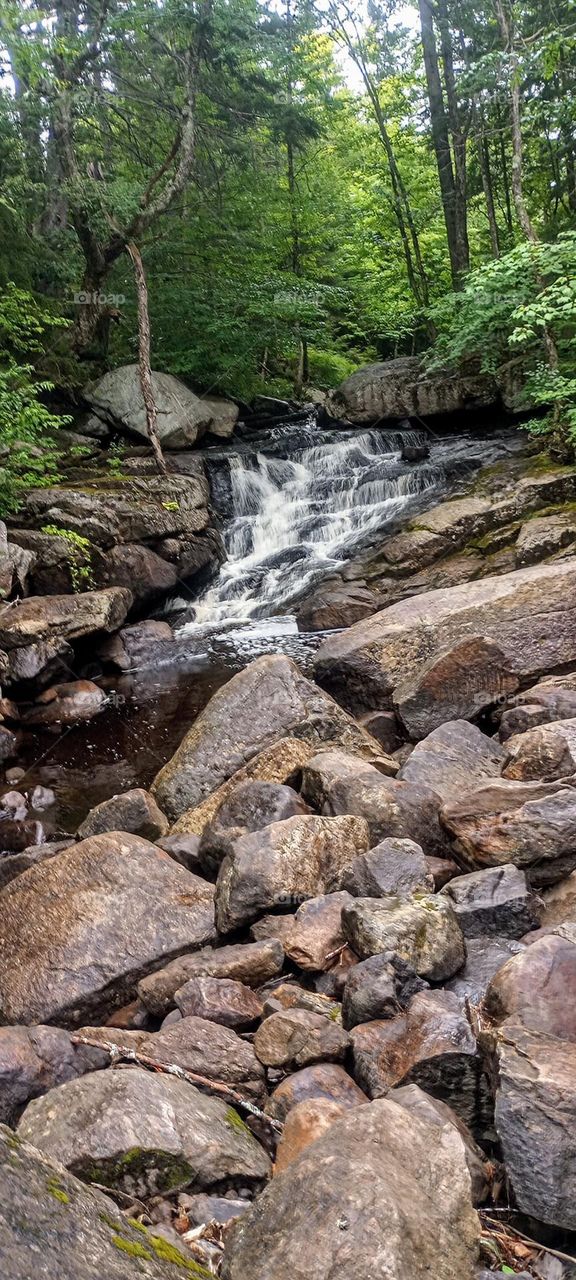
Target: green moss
x=13 y=1141
x=170 y=1253
x=133 y=1247
x=138 y=1226
x=234 y=1120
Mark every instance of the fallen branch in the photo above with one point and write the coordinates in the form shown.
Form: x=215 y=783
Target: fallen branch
x=119 y=1054
x=535 y=1244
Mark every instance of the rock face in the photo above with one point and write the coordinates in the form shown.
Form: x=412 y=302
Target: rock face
x=338 y=783
x=284 y=864
x=422 y=930
x=497 y=901
x=77 y=931
x=530 y=612
x=41 y=627
x=78 y=1233
x=532 y=824
x=35 y=1059
x=380 y=1194
x=295 y=1038
x=544 y=753
x=443 y=688
x=147 y=1134
x=252 y=963
x=117 y=400
x=401 y=388
x=267 y=701
x=454 y=758
x=393 y=866
x=134 y=811
x=536 y=988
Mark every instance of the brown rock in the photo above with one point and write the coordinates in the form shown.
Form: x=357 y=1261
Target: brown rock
x=251 y=806
x=422 y=930
x=327 y=1080
x=251 y=963
x=282 y=762
x=438 y=1114
x=546 y=752
x=36 y=1059
x=298 y=1038
x=456 y=683
x=560 y=903
x=68 y=703
x=316 y=932
x=306 y=1122
x=220 y=1000
x=134 y=811
x=532 y=824
x=537 y=988
x=453 y=759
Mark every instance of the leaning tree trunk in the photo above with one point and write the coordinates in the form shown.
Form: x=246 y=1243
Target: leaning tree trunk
x=144 y=356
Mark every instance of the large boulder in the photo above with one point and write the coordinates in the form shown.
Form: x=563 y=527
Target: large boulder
x=284 y=864
x=403 y=388
x=147 y=1134
x=41 y=628
x=280 y=763
x=421 y=930
x=537 y=987
x=380 y=1194
x=36 y=1059
x=496 y=901
x=438 y=1114
x=117 y=400
x=546 y=752
x=459 y=680
x=532 y=824
x=270 y=699
x=252 y=963
x=77 y=931
x=453 y=758
x=530 y=612
x=73 y=1231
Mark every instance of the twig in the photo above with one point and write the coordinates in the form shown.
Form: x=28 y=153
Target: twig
x=118 y=1053
x=536 y=1244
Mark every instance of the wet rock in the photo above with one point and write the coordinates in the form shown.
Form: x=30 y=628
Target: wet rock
x=402 y=388
x=327 y=1080
x=453 y=758
x=484 y=956
x=221 y=1000
x=148 y=1134
x=532 y=824
x=134 y=811
x=496 y=901
x=529 y=612
x=298 y=1038
x=78 y=1233
x=116 y=399
x=284 y=864
x=249 y=807
x=438 y=1114
x=38 y=628
x=251 y=963
x=16 y=834
x=546 y=752
x=422 y=930
x=386 y=1194
x=393 y=866
x=77 y=931
x=13 y=864
x=138 y=645
x=281 y=763
x=330 y=608
x=306 y=1122
x=183 y=849
x=378 y=988
x=338 y=783
x=269 y=699
x=42 y=798
x=36 y=1059
x=430 y=1045
x=459 y=681
x=536 y=987
x=535 y=1106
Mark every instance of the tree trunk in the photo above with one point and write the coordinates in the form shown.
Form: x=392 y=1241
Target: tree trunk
x=144 y=356
x=522 y=214
x=458 y=132
x=486 y=173
x=457 y=249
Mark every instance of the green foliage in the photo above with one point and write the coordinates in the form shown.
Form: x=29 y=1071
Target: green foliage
x=80 y=556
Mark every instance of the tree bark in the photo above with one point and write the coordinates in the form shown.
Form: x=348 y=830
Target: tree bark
x=458 y=133
x=144 y=364
x=507 y=33
x=457 y=243
x=486 y=174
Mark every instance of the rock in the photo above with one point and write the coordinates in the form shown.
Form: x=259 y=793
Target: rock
x=546 y=752
x=560 y=903
x=496 y=901
x=403 y=388
x=378 y=988
x=133 y=510
x=116 y=399
x=422 y=930
x=221 y=1000
x=386 y=1194
x=203 y=1208
x=338 y=783
x=542 y=536
x=146 y=574
x=539 y=705
x=130 y=1017
x=268 y=700
x=8 y=743
x=442 y=870
x=330 y=608
x=530 y=612
x=74 y=702
x=393 y=866
x=35 y=632
x=184 y=849
x=298 y=1038
x=281 y=763
x=437 y=1113
x=484 y=956
x=291 y=996
x=306 y=1122
x=384 y=727
x=532 y=824
x=430 y=1045
x=251 y=963
x=327 y=1080
x=139 y=645
x=17 y=833
x=148 y=1134
x=454 y=758
x=314 y=933
x=534 y=1119
x=13 y=864
x=74 y=1232
x=134 y=811
x=536 y=987
x=34 y=1060
x=77 y=931
x=249 y=807
x=459 y=681
x=224 y=415
x=284 y=864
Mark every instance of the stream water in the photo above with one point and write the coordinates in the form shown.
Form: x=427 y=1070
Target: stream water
x=295 y=504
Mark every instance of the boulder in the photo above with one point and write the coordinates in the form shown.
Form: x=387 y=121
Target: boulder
x=338 y=783
x=78 y=931
x=268 y=700
x=543 y=753
x=530 y=612
x=68 y=703
x=544 y=702
x=117 y=400
x=134 y=811
x=249 y=807
x=311 y=936
x=536 y=987
x=34 y=1060
x=13 y=864
x=381 y=1193
x=542 y=536
x=74 y=1232
x=330 y=608
x=532 y=824
x=58 y=561
x=222 y=1000
x=147 y=1134
x=422 y=930
x=378 y=988
x=327 y=1080
x=140 y=645
x=438 y=1114
x=39 y=629
x=393 y=866
x=306 y=1122
x=496 y=901
x=384 y=727
x=403 y=388
x=146 y=574
x=295 y=1038
x=224 y=416
x=251 y=963
x=284 y=864
x=280 y=763
x=484 y=956
x=454 y=758
x=430 y=1045
x=132 y=509
x=184 y=849
x=535 y=1108
x=458 y=681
